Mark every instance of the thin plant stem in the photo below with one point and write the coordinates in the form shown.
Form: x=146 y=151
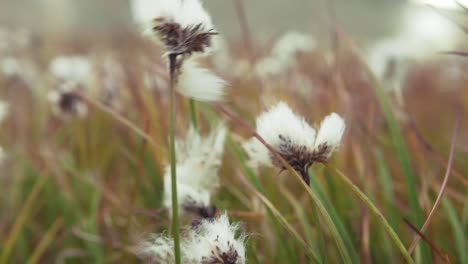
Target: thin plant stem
x=443 y=187
x=376 y=211
x=193 y=113
x=175 y=207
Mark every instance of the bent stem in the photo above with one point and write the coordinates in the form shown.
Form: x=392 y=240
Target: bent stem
x=175 y=208
x=376 y=211
x=328 y=220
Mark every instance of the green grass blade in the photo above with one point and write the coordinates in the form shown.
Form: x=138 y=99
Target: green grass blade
x=282 y=220
x=235 y=149
x=386 y=183
x=376 y=211
x=303 y=220
x=7 y=247
x=403 y=156
x=317 y=188
x=46 y=240
x=458 y=232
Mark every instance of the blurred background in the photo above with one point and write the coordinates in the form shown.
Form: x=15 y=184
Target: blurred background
x=78 y=185
x=368 y=19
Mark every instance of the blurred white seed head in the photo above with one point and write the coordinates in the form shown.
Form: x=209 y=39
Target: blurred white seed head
x=283 y=53
x=65 y=102
x=10 y=66
x=110 y=82
x=198 y=162
x=23 y=68
x=71 y=68
x=200 y=83
x=210 y=241
x=292 y=43
x=4 y=110
x=294 y=139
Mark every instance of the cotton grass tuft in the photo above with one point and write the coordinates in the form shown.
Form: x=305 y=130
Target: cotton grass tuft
x=198 y=162
x=210 y=241
x=294 y=139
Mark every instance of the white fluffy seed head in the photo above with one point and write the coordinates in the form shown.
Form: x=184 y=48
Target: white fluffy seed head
x=200 y=83
x=145 y=11
x=210 y=240
x=330 y=132
x=187 y=13
x=198 y=162
x=293 y=138
x=279 y=121
x=192 y=13
x=215 y=235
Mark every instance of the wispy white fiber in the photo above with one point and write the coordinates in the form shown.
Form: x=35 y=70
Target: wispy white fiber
x=200 y=83
x=283 y=53
x=198 y=162
x=187 y=13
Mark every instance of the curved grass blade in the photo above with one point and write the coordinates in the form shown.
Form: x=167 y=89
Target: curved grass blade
x=46 y=240
x=315 y=185
x=7 y=247
x=308 y=250
x=404 y=159
x=376 y=211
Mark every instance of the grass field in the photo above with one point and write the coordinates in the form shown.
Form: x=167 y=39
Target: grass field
x=87 y=189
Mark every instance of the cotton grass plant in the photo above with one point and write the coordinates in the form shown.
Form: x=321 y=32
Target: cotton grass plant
x=198 y=162
x=210 y=241
x=101 y=188
x=185 y=29
x=294 y=139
